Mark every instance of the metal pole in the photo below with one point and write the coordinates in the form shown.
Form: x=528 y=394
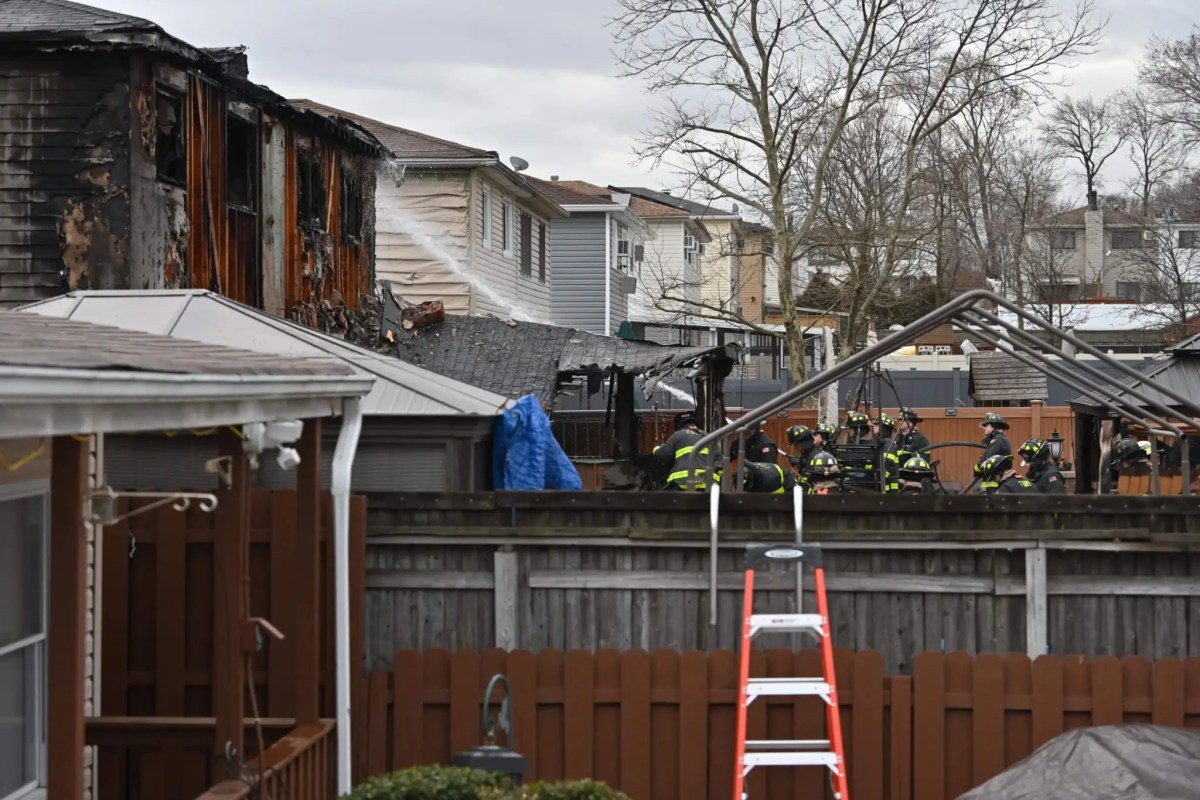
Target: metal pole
x=714 y=507
x=1084 y=366
x=1155 y=474
x=1074 y=381
x=1185 y=466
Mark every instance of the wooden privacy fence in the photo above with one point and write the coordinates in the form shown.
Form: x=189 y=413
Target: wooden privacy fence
x=660 y=725
x=585 y=436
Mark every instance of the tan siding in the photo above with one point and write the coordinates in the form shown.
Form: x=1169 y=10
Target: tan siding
x=420 y=225
x=717 y=263
x=500 y=272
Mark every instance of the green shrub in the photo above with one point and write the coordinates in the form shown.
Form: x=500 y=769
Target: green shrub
x=434 y=782
x=566 y=790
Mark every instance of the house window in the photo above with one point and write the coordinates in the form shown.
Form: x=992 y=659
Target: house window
x=1126 y=240
x=23 y=530
x=310 y=190
x=1129 y=290
x=526 y=244
x=170 y=143
x=542 y=252
x=485 y=220
x=691 y=249
x=241 y=163
x=352 y=206
x=624 y=248
x=821 y=257
x=1188 y=239
x=506 y=228
x=1062 y=240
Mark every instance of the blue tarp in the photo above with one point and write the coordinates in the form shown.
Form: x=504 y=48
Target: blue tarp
x=525 y=454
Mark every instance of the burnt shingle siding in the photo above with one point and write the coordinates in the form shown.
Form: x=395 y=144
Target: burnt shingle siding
x=64 y=174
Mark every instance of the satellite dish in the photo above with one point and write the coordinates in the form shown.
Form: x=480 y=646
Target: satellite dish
x=518 y=163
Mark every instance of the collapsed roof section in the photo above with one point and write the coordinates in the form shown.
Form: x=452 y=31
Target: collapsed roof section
x=518 y=358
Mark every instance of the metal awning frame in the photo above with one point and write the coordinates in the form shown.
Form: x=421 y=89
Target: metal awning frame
x=963 y=312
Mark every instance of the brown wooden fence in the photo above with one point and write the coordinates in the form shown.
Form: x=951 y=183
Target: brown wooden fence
x=157 y=632
x=584 y=435
x=660 y=725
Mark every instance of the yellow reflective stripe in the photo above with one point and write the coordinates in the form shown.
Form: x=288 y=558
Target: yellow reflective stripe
x=682 y=475
x=684 y=451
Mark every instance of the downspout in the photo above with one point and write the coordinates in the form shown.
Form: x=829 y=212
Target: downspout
x=607 y=275
x=343 y=462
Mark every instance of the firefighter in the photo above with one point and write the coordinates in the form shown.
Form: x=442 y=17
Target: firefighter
x=916 y=476
x=909 y=441
x=1043 y=471
x=883 y=427
x=823 y=473
x=998 y=477
x=859 y=426
x=803 y=441
x=675 y=454
x=1129 y=456
x=766 y=478
x=826 y=432
x=760 y=447
x=995 y=440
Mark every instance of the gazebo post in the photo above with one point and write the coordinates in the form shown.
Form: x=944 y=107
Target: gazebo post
x=68 y=611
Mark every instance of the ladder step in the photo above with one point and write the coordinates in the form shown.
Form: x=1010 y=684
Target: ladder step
x=789 y=759
x=787 y=623
x=786 y=687
x=787 y=744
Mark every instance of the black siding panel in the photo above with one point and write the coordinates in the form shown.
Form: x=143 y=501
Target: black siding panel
x=64 y=174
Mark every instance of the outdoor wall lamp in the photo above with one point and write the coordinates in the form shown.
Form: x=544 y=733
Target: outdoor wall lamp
x=1056 y=444
x=490 y=757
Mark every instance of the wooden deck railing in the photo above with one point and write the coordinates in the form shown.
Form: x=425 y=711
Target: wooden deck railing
x=299 y=767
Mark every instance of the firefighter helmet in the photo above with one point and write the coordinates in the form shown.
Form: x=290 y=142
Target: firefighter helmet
x=995 y=420
x=1034 y=450
x=994 y=465
x=822 y=465
x=885 y=422
x=909 y=414
x=857 y=419
x=916 y=468
x=827 y=430
x=798 y=433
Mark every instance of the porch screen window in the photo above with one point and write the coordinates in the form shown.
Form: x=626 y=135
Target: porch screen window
x=1126 y=240
x=1062 y=240
x=23 y=524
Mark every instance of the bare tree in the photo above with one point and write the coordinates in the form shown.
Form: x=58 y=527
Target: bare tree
x=1046 y=270
x=1167 y=269
x=1027 y=182
x=1157 y=147
x=1086 y=130
x=1171 y=69
x=760 y=91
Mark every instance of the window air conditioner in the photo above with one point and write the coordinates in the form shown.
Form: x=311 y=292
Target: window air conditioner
x=1147 y=235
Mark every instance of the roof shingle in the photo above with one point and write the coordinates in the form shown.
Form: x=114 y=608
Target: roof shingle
x=32 y=340
x=999 y=376
x=690 y=206
x=53 y=16
x=402 y=142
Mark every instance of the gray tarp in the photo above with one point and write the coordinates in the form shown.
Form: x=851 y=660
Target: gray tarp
x=1111 y=762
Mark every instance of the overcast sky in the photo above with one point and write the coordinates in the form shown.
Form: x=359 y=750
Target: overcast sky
x=532 y=78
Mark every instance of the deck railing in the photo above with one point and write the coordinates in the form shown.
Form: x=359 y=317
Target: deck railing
x=297 y=767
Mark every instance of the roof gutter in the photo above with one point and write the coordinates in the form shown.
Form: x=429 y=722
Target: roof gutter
x=607 y=276
x=343 y=466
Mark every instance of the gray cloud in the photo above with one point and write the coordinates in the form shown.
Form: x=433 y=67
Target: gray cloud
x=533 y=78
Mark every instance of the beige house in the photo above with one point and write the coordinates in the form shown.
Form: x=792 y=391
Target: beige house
x=1088 y=253
x=453 y=223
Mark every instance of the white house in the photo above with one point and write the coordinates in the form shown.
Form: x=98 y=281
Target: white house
x=454 y=223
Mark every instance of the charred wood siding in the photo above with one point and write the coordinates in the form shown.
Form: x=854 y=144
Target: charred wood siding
x=322 y=258
x=64 y=175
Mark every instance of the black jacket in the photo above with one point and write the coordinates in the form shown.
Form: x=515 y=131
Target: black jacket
x=995 y=444
x=1012 y=483
x=674 y=456
x=760 y=448
x=913 y=443
x=1047 y=479
x=767 y=478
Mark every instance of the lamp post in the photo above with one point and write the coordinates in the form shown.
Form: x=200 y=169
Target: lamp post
x=1056 y=444
x=490 y=757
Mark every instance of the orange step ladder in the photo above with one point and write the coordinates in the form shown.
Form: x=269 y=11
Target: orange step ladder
x=827 y=753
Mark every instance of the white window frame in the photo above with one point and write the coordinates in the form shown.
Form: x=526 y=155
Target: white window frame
x=691 y=249
x=485 y=203
x=624 y=248
x=506 y=228
x=35 y=645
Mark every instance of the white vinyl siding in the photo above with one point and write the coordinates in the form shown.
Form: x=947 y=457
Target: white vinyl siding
x=485 y=216
x=579 y=270
x=500 y=287
x=665 y=268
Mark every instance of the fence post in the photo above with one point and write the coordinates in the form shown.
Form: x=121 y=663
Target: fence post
x=1035 y=419
x=1036 y=633
x=507 y=577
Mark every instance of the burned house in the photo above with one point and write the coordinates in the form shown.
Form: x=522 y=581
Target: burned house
x=132 y=160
